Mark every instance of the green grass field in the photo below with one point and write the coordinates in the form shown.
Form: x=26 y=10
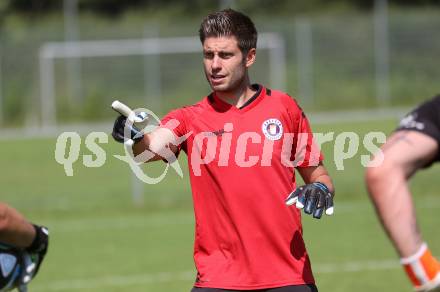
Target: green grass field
x=100 y=241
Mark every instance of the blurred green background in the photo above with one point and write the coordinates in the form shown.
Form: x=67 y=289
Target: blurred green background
x=349 y=64
x=338 y=54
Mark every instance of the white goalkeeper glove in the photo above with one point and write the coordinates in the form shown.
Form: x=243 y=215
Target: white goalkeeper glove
x=128 y=126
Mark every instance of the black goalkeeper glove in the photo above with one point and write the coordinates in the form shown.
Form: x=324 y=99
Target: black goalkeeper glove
x=19 y=266
x=124 y=131
x=314 y=198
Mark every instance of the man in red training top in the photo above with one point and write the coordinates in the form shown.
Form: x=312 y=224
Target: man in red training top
x=243 y=142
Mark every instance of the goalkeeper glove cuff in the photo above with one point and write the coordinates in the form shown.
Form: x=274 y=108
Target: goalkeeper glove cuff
x=41 y=240
x=37 y=250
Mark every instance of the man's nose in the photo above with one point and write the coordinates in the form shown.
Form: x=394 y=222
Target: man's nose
x=216 y=63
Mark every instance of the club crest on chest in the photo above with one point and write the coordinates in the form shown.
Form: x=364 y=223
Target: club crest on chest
x=272 y=129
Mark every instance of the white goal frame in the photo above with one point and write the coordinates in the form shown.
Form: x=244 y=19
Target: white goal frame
x=51 y=51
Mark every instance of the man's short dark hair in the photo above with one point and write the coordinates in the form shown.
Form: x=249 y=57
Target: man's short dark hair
x=227 y=23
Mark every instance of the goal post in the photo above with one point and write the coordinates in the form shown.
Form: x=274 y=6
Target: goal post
x=49 y=52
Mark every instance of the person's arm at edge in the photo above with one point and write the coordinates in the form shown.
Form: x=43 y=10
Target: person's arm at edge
x=387 y=184
x=15 y=230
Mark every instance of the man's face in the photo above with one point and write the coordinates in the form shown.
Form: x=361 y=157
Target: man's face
x=224 y=63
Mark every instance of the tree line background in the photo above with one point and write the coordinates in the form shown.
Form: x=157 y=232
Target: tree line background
x=194 y=7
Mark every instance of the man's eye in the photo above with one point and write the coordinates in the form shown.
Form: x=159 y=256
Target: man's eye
x=225 y=55
x=208 y=55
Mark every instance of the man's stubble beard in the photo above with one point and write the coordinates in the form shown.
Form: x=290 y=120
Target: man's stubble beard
x=232 y=87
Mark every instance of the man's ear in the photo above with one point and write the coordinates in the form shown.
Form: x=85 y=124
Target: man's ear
x=250 y=57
